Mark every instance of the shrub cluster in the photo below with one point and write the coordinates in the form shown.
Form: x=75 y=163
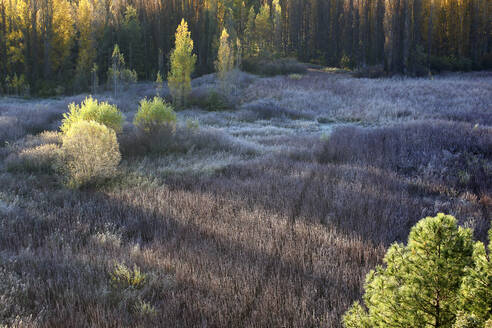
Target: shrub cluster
x=271 y=67
x=92 y=110
x=16 y=123
x=456 y=152
x=90 y=153
x=187 y=137
x=87 y=150
x=156 y=130
x=154 y=115
x=38 y=153
x=154 y=127
x=43 y=158
x=90 y=150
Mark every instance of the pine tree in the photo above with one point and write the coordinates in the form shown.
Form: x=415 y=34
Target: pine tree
x=225 y=61
x=182 y=65
x=420 y=284
x=476 y=289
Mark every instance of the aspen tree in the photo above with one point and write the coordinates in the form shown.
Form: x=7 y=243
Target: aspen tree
x=182 y=65
x=225 y=61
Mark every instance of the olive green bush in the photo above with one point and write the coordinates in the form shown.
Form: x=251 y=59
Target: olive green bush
x=90 y=153
x=92 y=110
x=155 y=115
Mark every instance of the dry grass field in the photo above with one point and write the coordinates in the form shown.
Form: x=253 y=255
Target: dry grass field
x=266 y=215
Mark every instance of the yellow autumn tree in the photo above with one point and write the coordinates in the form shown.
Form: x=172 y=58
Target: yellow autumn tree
x=225 y=61
x=55 y=26
x=87 y=46
x=63 y=32
x=182 y=65
x=14 y=38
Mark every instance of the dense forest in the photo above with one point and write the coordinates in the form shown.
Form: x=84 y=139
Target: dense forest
x=66 y=46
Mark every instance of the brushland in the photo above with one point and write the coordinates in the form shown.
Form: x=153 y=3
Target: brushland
x=266 y=213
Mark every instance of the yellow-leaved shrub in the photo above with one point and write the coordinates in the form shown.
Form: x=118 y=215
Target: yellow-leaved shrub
x=92 y=110
x=90 y=153
x=154 y=115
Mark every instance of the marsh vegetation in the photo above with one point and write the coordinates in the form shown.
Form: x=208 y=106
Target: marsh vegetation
x=266 y=213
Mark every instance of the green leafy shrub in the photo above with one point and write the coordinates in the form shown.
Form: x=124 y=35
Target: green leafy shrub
x=90 y=153
x=154 y=115
x=92 y=110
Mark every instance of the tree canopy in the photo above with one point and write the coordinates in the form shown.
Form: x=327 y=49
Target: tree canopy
x=53 y=43
x=439 y=279
x=182 y=65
